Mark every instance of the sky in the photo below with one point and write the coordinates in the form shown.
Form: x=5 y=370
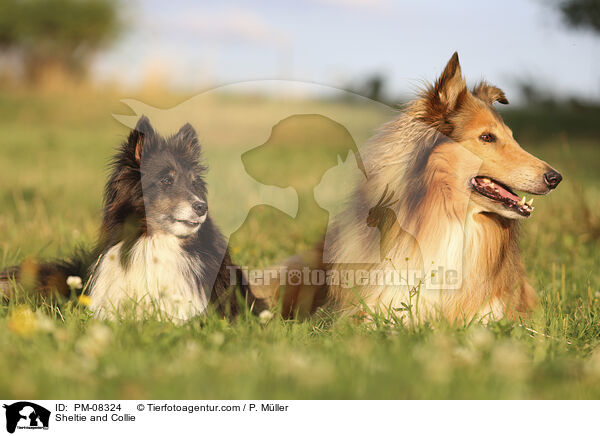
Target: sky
x=200 y=45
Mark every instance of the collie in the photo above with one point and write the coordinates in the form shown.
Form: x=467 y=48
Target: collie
x=159 y=251
x=440 y=192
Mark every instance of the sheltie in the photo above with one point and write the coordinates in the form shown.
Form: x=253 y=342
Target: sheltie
x=158 y=250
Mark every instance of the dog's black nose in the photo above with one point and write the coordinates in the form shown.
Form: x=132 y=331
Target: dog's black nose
x=200 y=207
x=552 y=179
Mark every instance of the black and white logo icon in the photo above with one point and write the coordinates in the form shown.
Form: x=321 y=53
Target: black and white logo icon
x=26 y=415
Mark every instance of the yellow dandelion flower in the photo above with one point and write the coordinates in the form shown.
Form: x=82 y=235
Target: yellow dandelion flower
x=84 y=300
x=22 y=321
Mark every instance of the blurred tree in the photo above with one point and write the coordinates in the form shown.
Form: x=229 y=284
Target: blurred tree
x=371 y=86
x=581 y=13
x=56 y=34
x=374 y=87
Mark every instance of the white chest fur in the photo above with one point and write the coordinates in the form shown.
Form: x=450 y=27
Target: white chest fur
x=160 y=279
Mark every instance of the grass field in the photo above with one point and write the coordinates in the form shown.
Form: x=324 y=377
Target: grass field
x=52 y=170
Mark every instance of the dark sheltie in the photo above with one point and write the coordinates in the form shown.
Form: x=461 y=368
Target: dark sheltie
x=159 y=250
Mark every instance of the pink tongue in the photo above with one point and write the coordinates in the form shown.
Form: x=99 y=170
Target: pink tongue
x=498 y=190
x=504 y=193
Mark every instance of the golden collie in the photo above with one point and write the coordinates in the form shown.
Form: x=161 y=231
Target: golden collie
x=432 y=230
x=441 y=192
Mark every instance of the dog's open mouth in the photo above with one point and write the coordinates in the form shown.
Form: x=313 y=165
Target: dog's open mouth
x=187 y=223
x=500 y=193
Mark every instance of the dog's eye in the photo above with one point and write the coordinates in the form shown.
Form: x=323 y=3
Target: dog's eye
x=168 y=180
x=488 y=137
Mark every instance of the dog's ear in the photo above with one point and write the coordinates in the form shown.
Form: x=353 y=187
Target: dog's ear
x=489 y=93
x=143 y=129
x=187 y=134
x=136 y=140
x=188 y=137
x=135 y=143
x=143 y=125
x=451 y=84
x=444 y=97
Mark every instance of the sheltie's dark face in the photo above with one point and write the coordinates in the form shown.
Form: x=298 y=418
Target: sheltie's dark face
x=482 y=152
x=159 y=183
x=174 y=194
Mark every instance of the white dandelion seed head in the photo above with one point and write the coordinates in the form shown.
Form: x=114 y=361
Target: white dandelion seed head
x=74 y=283
x=265 y=316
